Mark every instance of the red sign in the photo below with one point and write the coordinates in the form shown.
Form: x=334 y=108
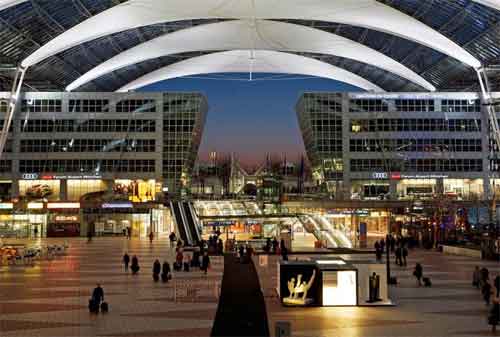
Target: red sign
x=47 y=177
x=396 y=175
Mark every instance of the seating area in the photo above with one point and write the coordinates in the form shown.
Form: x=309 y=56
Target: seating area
x=20 y=254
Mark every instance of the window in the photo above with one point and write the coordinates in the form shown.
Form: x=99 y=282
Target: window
x=417 y=165
x=89 y=105
x=136 y=105
x=415 y=105
x=41 y=105
x=461 y=105
x=368 y=105
x=86 y=165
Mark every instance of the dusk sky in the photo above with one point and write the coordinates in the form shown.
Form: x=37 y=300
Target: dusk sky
x=251 y=118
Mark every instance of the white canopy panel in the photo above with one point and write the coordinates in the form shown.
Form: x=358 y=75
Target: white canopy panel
x=364 y=13
x=250 y=34
x=258 y=61
x=489 y=3
x=4 y=4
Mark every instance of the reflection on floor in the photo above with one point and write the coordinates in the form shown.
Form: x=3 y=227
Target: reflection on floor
x=450 y=308
x=51 y=298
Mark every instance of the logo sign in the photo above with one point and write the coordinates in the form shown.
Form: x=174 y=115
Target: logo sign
x=117 y=205
x=30 y=176
x=380 y=175
x=66 y=218
x=396 y=175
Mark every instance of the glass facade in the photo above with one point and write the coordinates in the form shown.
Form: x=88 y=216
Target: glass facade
x=398 y=145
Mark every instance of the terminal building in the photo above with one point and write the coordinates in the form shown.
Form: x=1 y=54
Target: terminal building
x=399 y=146
x=84 y=155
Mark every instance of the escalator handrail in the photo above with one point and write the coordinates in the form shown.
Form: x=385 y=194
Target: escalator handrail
x=178 y=220
x=183 y=216
x=190 y=221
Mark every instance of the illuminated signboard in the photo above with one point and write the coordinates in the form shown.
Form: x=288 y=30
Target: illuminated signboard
x=35 y=205
x=66 y=218
x=398 y=176
x=6 y=205
x=117 y=205
x=36 y=176
x=63 y=205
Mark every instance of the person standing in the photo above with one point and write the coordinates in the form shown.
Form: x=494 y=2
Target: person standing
x=476 y=277
x=126 y=261
x=151 y=237
x=418 y=273
x=494 y=315
x=135 y=265
x=165 y=272
x=156 y=270
x=398 y=254
x=405 y=255
x=486 y=292
x=205 y=262
x=172 y=239
x=97 y=298
x=89 y=236
x=497 y=285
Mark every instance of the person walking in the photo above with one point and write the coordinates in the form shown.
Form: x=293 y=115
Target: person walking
x=96 y=299
x=284 y=251
x=418 y=273
x=398 y=254
x=476 y=277
x=135 y=265
x=172 y=239
x=178 y=260
x=165 y=272
x=126 y=261
x=151 y=237
x=382 y=245
x=89 y=236
x=378 y=251
x=494 y=315
x=205 y=262
x=486 y=292
x=405 y=255
x=497 y=285
x=156 y=270
x=485 y=276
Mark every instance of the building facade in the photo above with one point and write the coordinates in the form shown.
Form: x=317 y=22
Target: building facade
x=399 y=145
x=97 y=148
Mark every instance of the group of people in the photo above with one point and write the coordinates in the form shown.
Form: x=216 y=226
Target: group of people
x=134 y=267
x=163 y=269
x=273 y=247
x=185 y=260
x=481 y=281
x=398 y=246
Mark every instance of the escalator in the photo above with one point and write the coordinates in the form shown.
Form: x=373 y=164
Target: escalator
x=191 y=222
x=324 y=231
x=184 y=233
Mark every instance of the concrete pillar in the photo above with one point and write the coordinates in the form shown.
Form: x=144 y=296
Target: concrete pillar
x=14 y=190
x=440 y=186
x=63 y=189
x=393 y=189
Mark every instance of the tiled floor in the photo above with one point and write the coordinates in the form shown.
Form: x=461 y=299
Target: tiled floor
x=450 y=308
x=51 y=297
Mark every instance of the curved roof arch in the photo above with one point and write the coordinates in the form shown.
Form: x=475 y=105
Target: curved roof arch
x=250 y=34
x=369 y=14
x=4 y=4
x=255 y=61
x=489 y=3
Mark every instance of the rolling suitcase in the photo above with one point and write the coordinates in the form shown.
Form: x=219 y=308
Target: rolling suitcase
x=427 y=282
x=104 y=307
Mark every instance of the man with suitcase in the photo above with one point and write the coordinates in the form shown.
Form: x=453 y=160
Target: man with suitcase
x=97 y=300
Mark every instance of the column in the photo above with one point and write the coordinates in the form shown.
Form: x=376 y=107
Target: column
x=63 y=189
x=393 y=189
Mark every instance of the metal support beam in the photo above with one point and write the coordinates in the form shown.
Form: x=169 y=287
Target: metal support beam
x=11 y=109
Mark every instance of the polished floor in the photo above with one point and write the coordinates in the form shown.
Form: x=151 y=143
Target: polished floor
x=451 y=307
x=51 y=297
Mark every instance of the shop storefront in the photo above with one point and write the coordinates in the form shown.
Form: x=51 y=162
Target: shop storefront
x=64 y=219
x=115 y=218
x=26 y=223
